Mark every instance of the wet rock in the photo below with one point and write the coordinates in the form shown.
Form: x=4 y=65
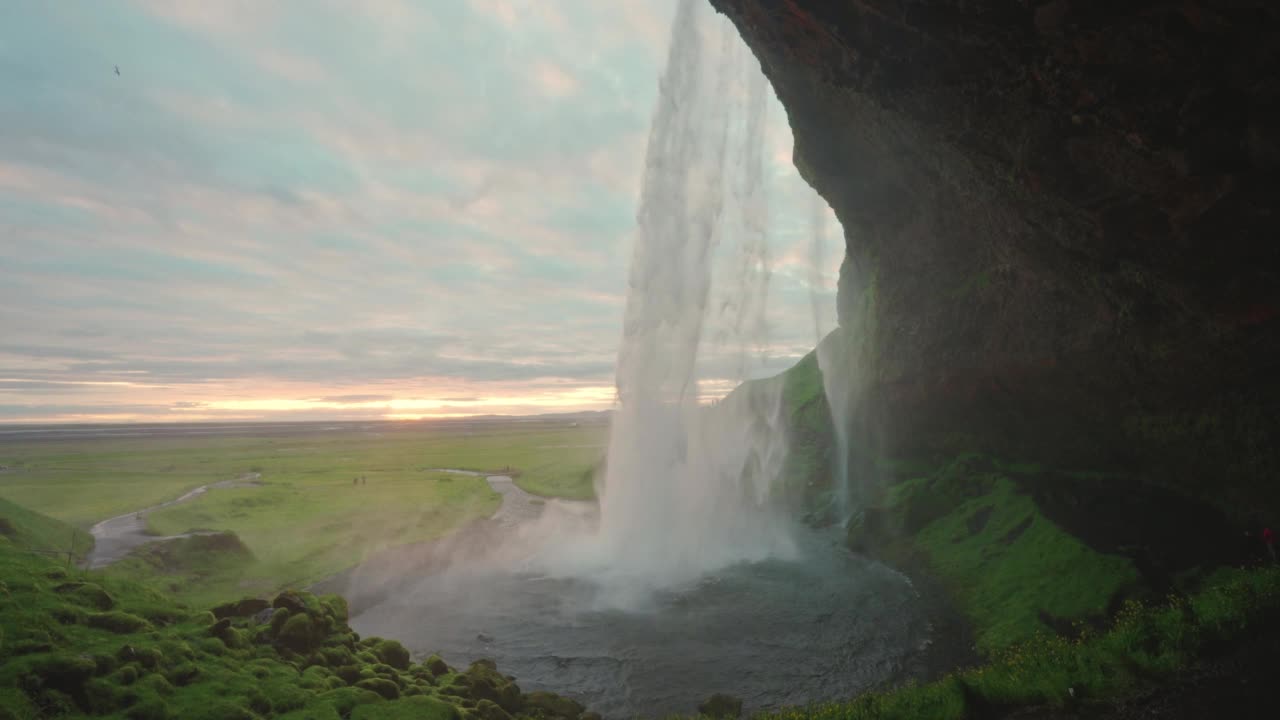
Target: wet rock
x=721 y=706
x=262 y=617
x=869 y=530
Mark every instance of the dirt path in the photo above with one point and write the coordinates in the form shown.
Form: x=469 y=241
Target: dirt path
x=115 y=537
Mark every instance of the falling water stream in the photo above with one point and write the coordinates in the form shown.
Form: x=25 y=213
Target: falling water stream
x=687 y=578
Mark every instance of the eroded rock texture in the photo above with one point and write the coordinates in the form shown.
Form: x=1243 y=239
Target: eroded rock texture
x=1063 y=238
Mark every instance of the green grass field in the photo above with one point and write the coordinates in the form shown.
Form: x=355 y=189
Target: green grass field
x=306 y=520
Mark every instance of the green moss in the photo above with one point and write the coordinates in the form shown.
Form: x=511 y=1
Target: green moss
x=299 y=633
x=151 y=708
x=29 y=530
x=392 y=653
x=410 y=708
x=1144 y=645
x=118 y=621
x=381 y=686
x=1018 y=566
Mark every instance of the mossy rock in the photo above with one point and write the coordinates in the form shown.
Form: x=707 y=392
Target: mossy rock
x=296 y=602
x=337 y=656
x=344 y=700
x=103 y=663
x=127 y=675
x=418 y=707
x=299 y=634
x=118 y=621
x=246 y=608
x=721 y=706
x=176 y=650
x=87 y=594
x=489 y=710
x=64 y=672
x=150 y=708
x=278 y=619
x=393 y=654
x=219 y=709
x=350 y=674
x=69 y=615
x=382 y=686
x=488 y=684
x=234 y=639
x=147 y=657
x=183 y=674
x=259 y=702
x=156 y=683
x=553 y=705
x=30 y=647
x=337 y=607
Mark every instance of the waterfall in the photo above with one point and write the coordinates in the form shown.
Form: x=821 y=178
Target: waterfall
x=833 y=362
x=686 y=487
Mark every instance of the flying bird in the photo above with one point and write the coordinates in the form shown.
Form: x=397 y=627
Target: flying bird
x=117 y=69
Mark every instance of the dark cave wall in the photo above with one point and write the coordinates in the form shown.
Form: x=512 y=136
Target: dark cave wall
x=1062 y=228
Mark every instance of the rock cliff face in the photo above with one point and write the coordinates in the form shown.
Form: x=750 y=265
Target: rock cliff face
x=1061 y=219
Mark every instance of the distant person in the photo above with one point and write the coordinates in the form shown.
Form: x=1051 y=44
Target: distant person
x=1269 y=539
x=355 y=481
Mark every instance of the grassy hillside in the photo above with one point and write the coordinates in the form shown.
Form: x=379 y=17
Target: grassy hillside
x=89 y=645
x=31 y=531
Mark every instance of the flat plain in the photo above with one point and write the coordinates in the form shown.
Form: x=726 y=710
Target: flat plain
x=325 y=495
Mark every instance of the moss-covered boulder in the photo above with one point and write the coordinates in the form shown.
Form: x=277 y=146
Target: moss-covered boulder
x=87 y=594
x=489 y=710
x=292 y=600
x=300 y=634
x=436 y=665
x=63 y=671
x=484 y=682
x=150 y=708
x=246 y=608
x=553 y=705
x=146 y=657
x=381 y=686
x=392 y=653
x=118 y=621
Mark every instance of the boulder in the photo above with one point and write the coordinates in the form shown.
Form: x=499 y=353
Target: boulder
x=87 y=593
x=248 y=607
x=554 y=705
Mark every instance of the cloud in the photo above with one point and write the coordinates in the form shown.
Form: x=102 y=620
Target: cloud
x=316 y=202
x=356 y=399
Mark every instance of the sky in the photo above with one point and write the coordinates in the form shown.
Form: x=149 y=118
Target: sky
x=313 y=209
